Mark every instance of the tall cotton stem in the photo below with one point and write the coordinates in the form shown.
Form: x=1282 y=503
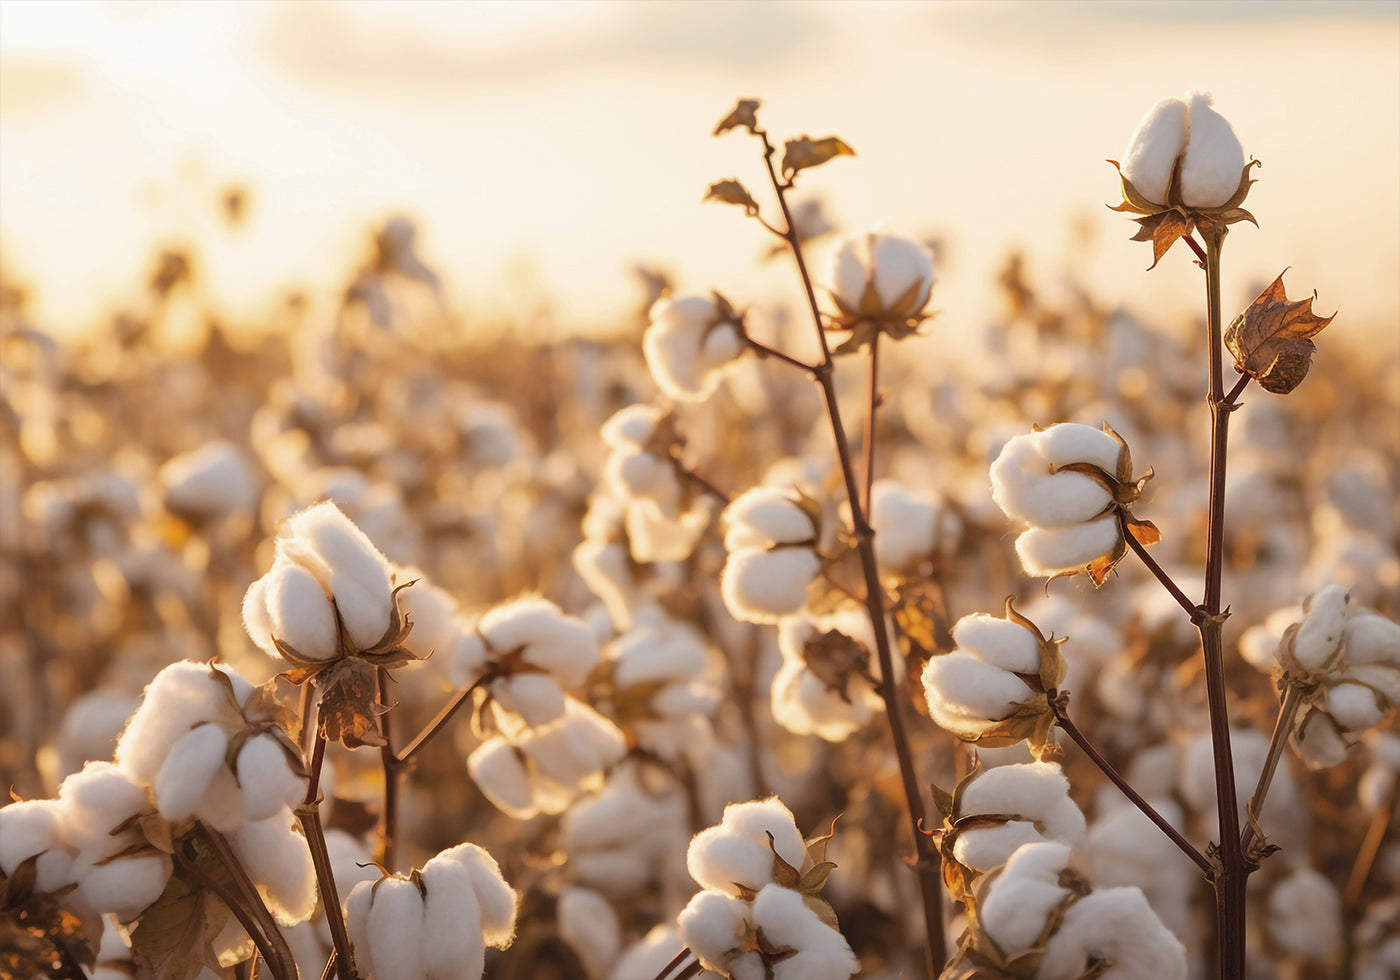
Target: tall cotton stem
x=309 y=815
x=927 y=864
x=1234 y=870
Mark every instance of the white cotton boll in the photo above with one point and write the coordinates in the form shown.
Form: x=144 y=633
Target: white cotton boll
x=342 y=546
x=998 y=641
x=984 y=848
x=769 y=513
x=909 y=526
x=357 y=910
x=394 y=931
x=124 y=887
x=1373 y=639
x=662 y=651
x=588 y=923
x=1214 y=159
x=896 y=266
x=559 y=643
x=630 y=427
x=1319 y=636
x=180 y=697
x=300 y=613
x=537 y=698
x=1115 y=926
x=32 y=827
x=187 y=775
x=1151 y=154
x=805 y=705
x=713 y=926
x=1317 y=740
x=467 y=656
x=738 y=851
x=655 y=537
x=764 y=586
x=1036 y=793
x=499 y=772
x=257 y=621
x=453 y=948
x=964 y=693
x=1016 y=905
x=1355 y=707
x=213 y=480
x=496 y=899
x=432 y=612
x=1072 y=442
x=266 y=781
x=366 y=611
x=1049 y=551
x=686 y=343
x=279 y=862
x=1305 y=917
x=822 y=953
x=93 y=803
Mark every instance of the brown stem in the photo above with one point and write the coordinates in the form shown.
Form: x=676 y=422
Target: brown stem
x=763 y=350
x=872 y=403
x=699 y=479
x=1157 y=571
x=385 y=852
x=927 y=863
x=676 y=961
x=1370 y=847
x=443 y=717
x=1234 y=869
x=309 y=815
x=1283 y=726
x=330 y=968
x=244 y=902
x=1060 y=705
x=1195 y=247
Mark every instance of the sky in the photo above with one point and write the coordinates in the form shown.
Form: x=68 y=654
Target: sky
x=544 y=148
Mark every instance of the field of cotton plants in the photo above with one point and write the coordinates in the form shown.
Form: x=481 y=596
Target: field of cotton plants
x=761 y=643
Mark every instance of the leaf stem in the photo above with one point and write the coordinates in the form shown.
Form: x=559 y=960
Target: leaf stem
x=443 y=717
x=1283 y=726
x=1157 y=571
x=927 y=864
x=763 y=350
x=1060 y=706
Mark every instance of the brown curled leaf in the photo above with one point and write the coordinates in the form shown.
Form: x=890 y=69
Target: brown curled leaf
x=744 y=113
x=732 y=192
x=1271 y=341
x=805 y=152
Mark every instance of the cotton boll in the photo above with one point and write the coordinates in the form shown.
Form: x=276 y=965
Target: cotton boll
x=93 y=803
x=715 y=926
x=1116 y=926
x=279 y=862
x=1034 y=799
x=1319 y=636
x=588 y=923
x=686 y=344
x=766 y=515
x=124 y=887
x=32 y=827
x=1050 y=551
x=536 y=698
x=266 y=780
x=965 y=693
x=1214 y=159
x=1016 y=904
x=187 y=775
x=738 y=852
x=899 y=269
x=1355 y=707
x=1071 y=442
x=212 y=481
x=821 y=952
x=496 y=899
x=499 y=772
x=1305 y=917
x=910 y=526
x=1151 y=154
x=763 y=586
x=453 y=948
x=180 y=697
x=1000 y=642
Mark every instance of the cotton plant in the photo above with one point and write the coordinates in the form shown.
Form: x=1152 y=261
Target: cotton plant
x=434 y=923
x=760 y=913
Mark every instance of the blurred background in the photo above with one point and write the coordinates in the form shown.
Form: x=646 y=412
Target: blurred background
x=544 y=148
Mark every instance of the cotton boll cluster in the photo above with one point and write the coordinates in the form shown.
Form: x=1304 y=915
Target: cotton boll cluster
x=664 y=517
x=982 y=691
x=207 y=748
x=911 y=527
x=880 y=277
x=630 y=833
x=1037 y=909
x=604 y=560
x=528 y=770
x=1185 y=140
x=771 y=539
x=996 y=811
x=529 y=652
x=759 y=915
x=435 y=924
x=689 y=342
x=1352 y=656
x=1066 y=482
x=826 y=685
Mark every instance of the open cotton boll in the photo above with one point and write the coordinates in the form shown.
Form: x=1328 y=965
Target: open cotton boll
x=822 y=953
x=1319 y=636
x=1000 y=642
x=180 y=697
x=588 y=923
x=1050 y=551
x=1305 y=917
x=546 y=637
x=498 y=769
x=93 y=802
x=278 y=860
x=964 y=693
x=737 y=851
x=688 y=340
x=495 y=898
x=1356 y=707
x=1016 y=904
x=910 y=526
x=124 y=887
x=1036 y=794
x=764 y=586
x=536 y=698
x=211 y=481
x=186 y=780
x=266 y=780
x=393 y=933
x=298 y=612
x=32 y=827
x=897 y=267
x=1214 y=159
x=1072 y=442
x=1026 y=487
x=453 y=947
x=715 y=926
x=1151 y=154
x=348 y=567
x=769 y=515
x=1116 y=929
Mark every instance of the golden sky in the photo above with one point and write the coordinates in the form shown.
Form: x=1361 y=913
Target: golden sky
x=544 y=147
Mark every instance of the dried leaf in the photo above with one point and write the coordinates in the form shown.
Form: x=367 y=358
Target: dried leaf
x=744 y=113
x=1163 y=230
x=834 y=658
x=1144 y=532
x=175 y=937
x=1270 y=339
x=348 y=713
x=732 y=192
x=805 y=152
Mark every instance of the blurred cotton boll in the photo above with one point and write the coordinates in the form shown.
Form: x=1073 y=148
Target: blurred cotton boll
x=688 y=343
x=881 y=277
x=771 y=540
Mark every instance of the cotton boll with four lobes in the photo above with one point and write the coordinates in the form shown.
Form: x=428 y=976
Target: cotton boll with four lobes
x=737 y=852
x=690 y=339
x=880 y=276
x=771 y=540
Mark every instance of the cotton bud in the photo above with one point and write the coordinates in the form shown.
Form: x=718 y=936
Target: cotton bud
x=879 y=283
x=771 y=539
x=1071 y=483
x=994 y=812
x=689 y=341
x=434 y=924
x=910 y=527
x=994 y=688
x=530 y=652
x=1347 y=661
x=826 y=685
